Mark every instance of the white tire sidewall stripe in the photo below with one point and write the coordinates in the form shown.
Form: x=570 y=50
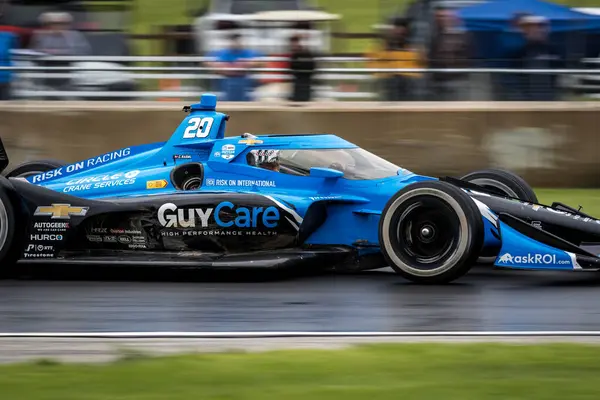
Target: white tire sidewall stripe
x=464 y=239
x=3 y=225
x=495 y=184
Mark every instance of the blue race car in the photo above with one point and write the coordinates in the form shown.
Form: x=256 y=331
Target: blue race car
x=203 y=200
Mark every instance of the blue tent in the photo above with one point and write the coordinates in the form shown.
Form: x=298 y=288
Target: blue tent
x=496 y=15
x=574 y=34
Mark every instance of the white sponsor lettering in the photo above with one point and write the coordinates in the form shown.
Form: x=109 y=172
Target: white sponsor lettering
x=38 y=255
x=184 y=218
x=198 y=127
x=78 y=166
x=325 y=198
x=508 y=258
x=101 y=181
x=51 y=225
x=39 y=248
x=103 y=178
x=47 y=175
x=38 y=237
x=239 y=182
x=115 y=155
x=537 y=207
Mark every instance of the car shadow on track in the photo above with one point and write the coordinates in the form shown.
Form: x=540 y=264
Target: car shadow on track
x=479 y=276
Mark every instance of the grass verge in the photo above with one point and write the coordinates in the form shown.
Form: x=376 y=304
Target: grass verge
x=414 y=371
x=589 y=199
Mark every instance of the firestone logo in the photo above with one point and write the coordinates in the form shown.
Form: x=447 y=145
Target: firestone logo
x=508 y=258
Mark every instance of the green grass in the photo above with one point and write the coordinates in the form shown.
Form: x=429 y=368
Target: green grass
x=589 y=199
x=415 y=371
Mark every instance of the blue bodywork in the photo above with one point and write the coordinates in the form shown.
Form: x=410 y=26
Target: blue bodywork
x=354 y=205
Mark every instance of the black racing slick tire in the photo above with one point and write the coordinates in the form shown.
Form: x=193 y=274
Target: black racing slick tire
x=431 y=232
x=31 y=168
x=9 y=253
x=503 y=183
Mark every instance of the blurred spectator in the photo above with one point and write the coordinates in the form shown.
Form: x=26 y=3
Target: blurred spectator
x=7 y=43
x=302 y=66
x=235 y=85
x=450 y=48
x=57 y=38
x=536 y=53
x=396 y=54
x=506 y=86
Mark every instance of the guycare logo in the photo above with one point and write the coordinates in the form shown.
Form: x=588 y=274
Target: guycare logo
x=170 y=216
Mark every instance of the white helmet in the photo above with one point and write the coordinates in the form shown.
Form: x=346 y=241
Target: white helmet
x=265 y=156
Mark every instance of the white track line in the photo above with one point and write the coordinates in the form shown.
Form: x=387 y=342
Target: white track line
x=237 y=335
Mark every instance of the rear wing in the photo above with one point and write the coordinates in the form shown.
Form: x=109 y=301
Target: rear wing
x=3 y=157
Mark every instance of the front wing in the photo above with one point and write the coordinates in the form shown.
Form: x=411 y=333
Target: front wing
x=525 y=246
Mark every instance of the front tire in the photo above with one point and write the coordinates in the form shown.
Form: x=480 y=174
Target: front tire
x=31 y=168
x=431 y=232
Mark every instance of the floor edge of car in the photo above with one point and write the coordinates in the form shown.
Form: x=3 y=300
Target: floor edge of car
x=284 y=258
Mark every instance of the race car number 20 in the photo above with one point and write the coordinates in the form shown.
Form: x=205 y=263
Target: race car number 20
x=198 y=127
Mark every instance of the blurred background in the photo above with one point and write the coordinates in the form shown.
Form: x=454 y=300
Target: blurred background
x=300 y=50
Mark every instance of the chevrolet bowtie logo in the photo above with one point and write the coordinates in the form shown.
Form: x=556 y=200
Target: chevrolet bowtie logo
x=61 y=211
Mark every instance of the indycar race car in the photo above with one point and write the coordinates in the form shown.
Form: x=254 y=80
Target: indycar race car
x=204 y=200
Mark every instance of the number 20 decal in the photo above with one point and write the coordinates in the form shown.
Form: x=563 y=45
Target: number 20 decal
x=198 y=127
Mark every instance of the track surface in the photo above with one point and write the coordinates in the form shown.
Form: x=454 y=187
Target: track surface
x=485 y=300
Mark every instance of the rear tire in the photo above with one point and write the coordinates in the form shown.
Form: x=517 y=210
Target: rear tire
x=9 y=252
x=31 y=168
x=503 y=183
x=431 y=232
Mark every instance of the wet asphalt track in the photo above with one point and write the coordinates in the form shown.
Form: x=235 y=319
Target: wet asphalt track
x=485 y=300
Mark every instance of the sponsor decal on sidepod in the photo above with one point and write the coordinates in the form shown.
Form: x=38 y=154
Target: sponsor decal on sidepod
x=529 y=258
x=170 y=216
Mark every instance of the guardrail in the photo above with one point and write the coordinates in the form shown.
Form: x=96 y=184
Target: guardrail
x=30 y=76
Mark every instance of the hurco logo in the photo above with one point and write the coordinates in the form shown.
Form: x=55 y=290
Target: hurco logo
x=42 y=237
x=170 y=216
x=508 y=258
x=61 y=211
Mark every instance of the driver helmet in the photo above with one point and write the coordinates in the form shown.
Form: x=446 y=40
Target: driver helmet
x=268 y=159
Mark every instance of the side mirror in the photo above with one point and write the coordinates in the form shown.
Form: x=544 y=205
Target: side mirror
x=326 y=173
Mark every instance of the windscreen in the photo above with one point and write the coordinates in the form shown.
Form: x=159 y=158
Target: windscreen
x=355 y=163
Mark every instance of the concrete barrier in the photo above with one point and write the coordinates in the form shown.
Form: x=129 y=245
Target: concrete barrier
x=553 y=144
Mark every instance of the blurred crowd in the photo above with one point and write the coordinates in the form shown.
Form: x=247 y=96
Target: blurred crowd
x=450 y=46
x=55 y=36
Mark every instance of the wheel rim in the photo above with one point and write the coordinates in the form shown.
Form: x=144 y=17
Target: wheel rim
x=3 y=225
x=427 y=230
x=496 y=186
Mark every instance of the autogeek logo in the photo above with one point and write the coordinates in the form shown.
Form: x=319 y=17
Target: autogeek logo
x=170 y=216
x=508 y=258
